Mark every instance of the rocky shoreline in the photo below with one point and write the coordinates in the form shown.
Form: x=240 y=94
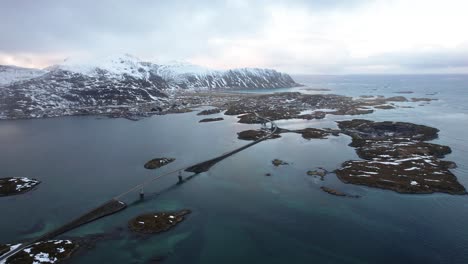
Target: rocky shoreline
x=288 y=105
x=52 y=251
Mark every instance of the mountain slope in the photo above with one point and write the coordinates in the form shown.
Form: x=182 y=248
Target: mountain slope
x=9 y=74
x=117 y=84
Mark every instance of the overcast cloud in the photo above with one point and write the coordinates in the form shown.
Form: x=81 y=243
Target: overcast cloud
x=296 y=36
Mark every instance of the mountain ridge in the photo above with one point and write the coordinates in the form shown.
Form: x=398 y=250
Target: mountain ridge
x=73 y=87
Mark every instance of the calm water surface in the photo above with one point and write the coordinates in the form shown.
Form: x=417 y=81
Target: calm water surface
x=239 y=215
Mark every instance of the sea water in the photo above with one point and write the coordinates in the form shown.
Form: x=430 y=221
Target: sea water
x=239 y=215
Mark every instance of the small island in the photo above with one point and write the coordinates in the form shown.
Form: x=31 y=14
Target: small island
x=396 y=157
x=211 y=120
x=278 y=162
x=158 y=163
x=157 y=222
x=210 y=111
x=14 y=186
x=53 y=251
x=255 y=135
x=320 y=172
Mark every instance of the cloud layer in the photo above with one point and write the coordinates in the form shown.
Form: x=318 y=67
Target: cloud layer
x=297 y=36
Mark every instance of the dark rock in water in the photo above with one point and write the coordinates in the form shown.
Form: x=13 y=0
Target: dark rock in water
x=337 y=193
x=12 y=186
x=210 y=111
x=267 y=174
x=157 y=222
x=211 y=120
x=179 y=111
x=385 y=107
x=278 y=162
x=422 y=99
x=52 y=251
x=310 y=133
x=255 y=134
x=332 y=191
x=321 y=172
x=397 y=99
x=158 y=163
x=397 y=158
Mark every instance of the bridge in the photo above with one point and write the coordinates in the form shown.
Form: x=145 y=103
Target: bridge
x=116 y=205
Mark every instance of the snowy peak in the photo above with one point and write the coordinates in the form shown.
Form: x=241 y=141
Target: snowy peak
x=174 y=69
x=114 y=84
x=10 y=74
x=116 y=66
x=177 y=75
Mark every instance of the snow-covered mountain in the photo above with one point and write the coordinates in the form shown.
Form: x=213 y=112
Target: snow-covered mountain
x=9 y=74
x=189 y=76
x=115 y=85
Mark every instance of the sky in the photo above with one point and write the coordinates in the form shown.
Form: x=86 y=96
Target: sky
x=294 y=36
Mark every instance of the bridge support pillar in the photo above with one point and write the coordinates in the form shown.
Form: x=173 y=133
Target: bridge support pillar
x=180 y=177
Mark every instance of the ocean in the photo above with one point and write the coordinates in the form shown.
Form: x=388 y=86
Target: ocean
x=239 y=215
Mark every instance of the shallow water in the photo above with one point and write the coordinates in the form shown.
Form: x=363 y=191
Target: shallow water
x=239 y=215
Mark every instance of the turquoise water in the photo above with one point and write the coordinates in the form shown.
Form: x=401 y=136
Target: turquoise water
x=238 y=214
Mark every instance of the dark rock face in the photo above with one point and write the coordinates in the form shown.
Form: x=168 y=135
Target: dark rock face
x=4 y=249
x=248 y=78
x=52 y=251
x=211 y=120
x=157 y=222
x=158 y=163
x=12 y=186
x=397 y=158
